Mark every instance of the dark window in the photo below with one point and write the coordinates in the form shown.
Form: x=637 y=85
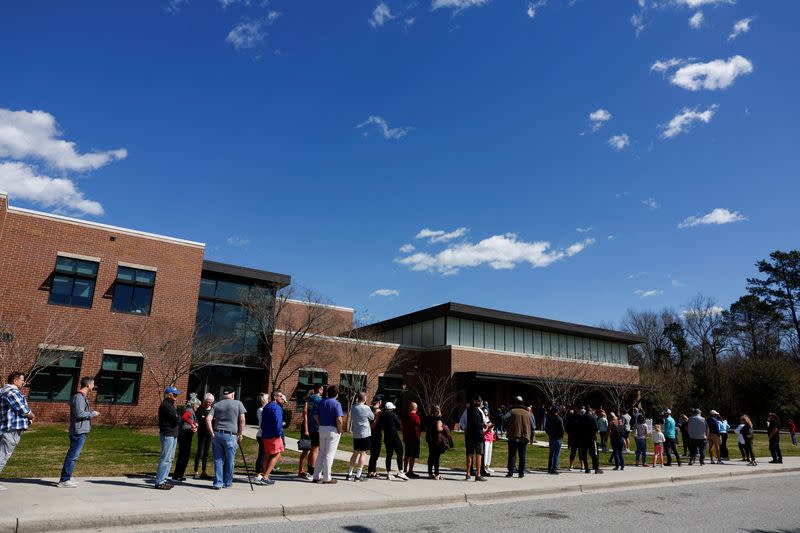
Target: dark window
x=133 y=291
x=58 y=379
x=73 y=282
x=305 y=381
x=349 y=386
x=391 y=387
x=118 y=381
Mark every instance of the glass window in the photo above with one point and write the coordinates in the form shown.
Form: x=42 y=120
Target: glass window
x=208 y=287
x=438 y=331
x=528 y=341
x=397 y=336
x=349 y=386
x=499 y=337
x=595 y=350
x=306 y=379
x=416 y=334
x=391 y=387
x=519 y=340
x=452 y=331
x=488 y=335
x=133 y=291
x=537 y=342
x=427 y=333
x=546 y=344
x=73 y=282
x=232 y=291
x=509 y=338
x=478 y=334
x=465 y=333
x=58 y=379
x=119 y=378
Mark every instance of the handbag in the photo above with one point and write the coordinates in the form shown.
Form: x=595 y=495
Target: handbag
x=304 y=444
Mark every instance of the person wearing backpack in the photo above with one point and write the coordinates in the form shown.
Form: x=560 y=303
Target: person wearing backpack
x=439 y=441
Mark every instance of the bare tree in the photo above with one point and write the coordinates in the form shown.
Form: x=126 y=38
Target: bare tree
x=30 y=342
x=431 y=390
x=705 y=327
x=291 y=333
x=565 y=384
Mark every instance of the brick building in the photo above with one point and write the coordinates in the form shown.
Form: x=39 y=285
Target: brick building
x=74 y=295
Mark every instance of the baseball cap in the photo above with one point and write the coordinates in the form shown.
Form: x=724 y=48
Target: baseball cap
x=389 y=406
x=713 y=412
x=519 y=399
x=172 y=390
x=668 y=411
x=228 y=390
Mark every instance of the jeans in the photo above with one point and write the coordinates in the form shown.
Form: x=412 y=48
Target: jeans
x=698 y=448
x=168 y=445
x=517 y=449
x=671 y=445
x=433 y=460
x=328 y=443
x=184 y=451
x=223 y=448
x=553 y=455
x=775 y=449
x=75 y=446
x=8 y=441
x=203 y=445
x=604 y=440
x=617 y=446
x=641 y=449
x=588 y=448
x=374 y=453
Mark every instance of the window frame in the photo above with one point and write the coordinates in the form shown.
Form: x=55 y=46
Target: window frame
x=117 y=375
x=73 y=277
x=49 y=372
x=133 y=285
x=301 y=390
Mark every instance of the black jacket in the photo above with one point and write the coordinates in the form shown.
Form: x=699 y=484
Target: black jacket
x=554 y=427
x=587 y=427
x=391 y=425
x=168 y=419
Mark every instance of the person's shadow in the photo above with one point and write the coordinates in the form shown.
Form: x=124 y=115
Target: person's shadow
x=30 y=481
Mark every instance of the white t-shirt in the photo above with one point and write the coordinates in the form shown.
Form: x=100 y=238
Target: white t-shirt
x=738 y=432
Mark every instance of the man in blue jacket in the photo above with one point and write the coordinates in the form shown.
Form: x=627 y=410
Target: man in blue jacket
x=271 y=434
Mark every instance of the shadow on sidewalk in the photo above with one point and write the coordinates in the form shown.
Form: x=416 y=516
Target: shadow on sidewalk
x=30 y=481
x=116 y=483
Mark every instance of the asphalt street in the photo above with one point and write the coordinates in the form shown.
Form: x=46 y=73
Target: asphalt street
x=763 y=504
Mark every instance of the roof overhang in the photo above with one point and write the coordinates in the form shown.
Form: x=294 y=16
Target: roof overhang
x=279 y=280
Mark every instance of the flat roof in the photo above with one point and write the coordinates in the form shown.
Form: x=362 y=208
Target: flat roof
x=281 y=280
x=510 y=319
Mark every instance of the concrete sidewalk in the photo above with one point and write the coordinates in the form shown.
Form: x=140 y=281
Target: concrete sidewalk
x=107 y=503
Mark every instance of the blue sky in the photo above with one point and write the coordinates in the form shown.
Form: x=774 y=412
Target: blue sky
x=237 y=124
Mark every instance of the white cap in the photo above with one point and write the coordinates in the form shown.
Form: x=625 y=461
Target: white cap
x=713 y=412
x=519 y=399
x=389 y=406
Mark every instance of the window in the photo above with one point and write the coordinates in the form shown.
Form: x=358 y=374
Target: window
x=391 y=387
x=349 y=385
x=119 y=378
x=73 y=282
x=306 y=379
x=133 y=291
x=59 y=378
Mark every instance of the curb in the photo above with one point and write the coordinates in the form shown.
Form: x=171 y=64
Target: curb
x=233 y=514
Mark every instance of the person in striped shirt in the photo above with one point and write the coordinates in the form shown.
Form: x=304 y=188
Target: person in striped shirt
x=15 y=416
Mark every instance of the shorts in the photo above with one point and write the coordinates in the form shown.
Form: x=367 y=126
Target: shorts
x=658 y=448
x=412 y=450
x=362 y=445
x=272 y=446
x=314 y=436
x=714 y=440
x=474 y=447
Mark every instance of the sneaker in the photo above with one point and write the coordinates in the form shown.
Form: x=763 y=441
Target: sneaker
x=309 y=477
x=68 y=484
x=359 y=478
x=267 y=482
x=412 y=475
x=598 y=471
x=510 y=474
x=163 y=486
x=349 y=477
x=258 y=478
x=480 y=478
x=402 y=476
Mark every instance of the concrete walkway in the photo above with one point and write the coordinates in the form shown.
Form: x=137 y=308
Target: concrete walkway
x=132 y=503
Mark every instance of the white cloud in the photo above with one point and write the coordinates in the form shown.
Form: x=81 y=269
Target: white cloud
x=35 y=135
x=699 y=3
x=587 y=229
x=22 y=181
x=407 y=248
x=174 y=7
x=717 y=74
x=380 y=15
x=647 y=293
x=533 y=6
x=675 y=283
x=599 y=117
x=682 y=122
x=620 y=142
x=719 y=215
x=385 y=293
x=409 y=21
x=438 y=235
x=711 y=311
x=247 y=35
x=650 y=203
x=500 y=252
x=388 y=133
x=457 y=5
x=272 y=16
x=741 y=26
x=637 y=21
x=696 y=20
x=236 y=241
x=611 y=237
x=666 y=64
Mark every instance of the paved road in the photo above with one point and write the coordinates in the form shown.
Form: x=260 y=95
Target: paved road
x=756 y=505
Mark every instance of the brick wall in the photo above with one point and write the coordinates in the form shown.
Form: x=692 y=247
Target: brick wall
x=28 y=248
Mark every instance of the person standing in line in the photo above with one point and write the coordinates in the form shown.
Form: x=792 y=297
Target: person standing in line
x=747 y=436
x=573 y=442
x=671 y=438
x=555 y=435
x=518 y=435
x=792 y=431
x=740 y=440
x=658 y=445
x=204 y=438
x=311 y=431
x=714 y=438
x=602 y=428
x=226 y=422
x=488 y=443
x=616 y=433
x=263 y=399
x=80 y=424
x=774 y=433
x=439 y=440
x=626 y=420
x=411 y=438
x=587 y=433
x=15 y=417
x=377 y=437
x=724 y=427
x=698 y=435
x=641 y=430
x=168 y=422
x=683 y=425
x=331 y=424
x=361 y=416
x=391 y=425
x=474 y=438
x=271 y=425
x=186 y=433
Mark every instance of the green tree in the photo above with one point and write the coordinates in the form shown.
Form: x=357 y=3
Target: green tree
x=781 y=288
x=761 y=386
x=756 y=325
